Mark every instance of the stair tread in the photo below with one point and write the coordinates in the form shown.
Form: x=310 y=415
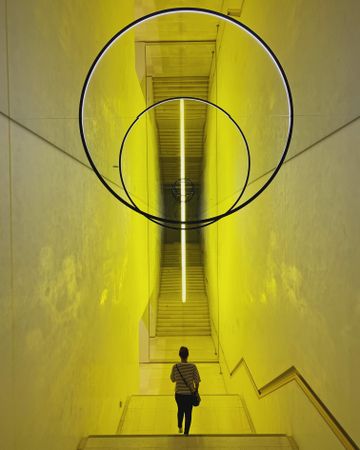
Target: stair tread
x=206 y=442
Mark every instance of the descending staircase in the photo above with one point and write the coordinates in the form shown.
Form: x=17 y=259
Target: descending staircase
x=174 y=317
x=221 y=422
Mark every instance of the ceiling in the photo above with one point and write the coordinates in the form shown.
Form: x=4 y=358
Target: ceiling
x=176 y=26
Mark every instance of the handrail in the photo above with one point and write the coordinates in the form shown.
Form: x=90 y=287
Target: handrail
x=292 y=374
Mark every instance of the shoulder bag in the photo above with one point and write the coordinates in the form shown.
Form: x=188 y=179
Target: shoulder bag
x=196 y=399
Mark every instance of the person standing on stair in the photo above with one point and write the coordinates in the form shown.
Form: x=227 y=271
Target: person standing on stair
x=187 y=379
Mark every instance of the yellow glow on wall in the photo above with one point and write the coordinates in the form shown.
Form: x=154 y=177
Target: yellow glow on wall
x=182 y=199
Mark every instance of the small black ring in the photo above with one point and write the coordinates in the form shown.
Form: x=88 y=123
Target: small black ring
x=160 y=220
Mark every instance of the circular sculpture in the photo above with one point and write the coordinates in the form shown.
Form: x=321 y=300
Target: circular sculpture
x=236 y=207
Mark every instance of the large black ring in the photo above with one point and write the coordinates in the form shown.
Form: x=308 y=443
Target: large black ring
x=197 y=11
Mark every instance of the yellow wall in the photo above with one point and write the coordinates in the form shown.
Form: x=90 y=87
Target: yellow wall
x=287 y=285
x=77 y=267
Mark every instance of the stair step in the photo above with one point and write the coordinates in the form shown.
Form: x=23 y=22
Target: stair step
x=178 y=274
x=189 y=294
x=170 y=310
x=178 y=301
x=168 y=316
x=181 y=325
x=190 y=320
x=183 y=332
x=184 y=326
x=178 y=331
x=180 y=328
x=175 y=310
x=195 y=269
x=171 y=278
x=178 y=286
x=176 y=278
x=166 y=307
x=179 y=304
x=190 y=297
x=189 y=284
x=176 y=265
x=188 y=312
x=169 y=281
x=192 y=292
x=178 y=293
x=175 y=304
x=193 y=317
x=201 y=316
x=205 y=442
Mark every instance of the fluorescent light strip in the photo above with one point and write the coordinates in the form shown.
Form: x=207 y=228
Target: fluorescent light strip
x=182 y=200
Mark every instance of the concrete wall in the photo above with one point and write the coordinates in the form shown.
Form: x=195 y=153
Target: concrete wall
x=282 y=273
x=77 y=267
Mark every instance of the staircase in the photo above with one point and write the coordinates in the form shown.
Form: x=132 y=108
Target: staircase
x=220 y=422
x=174 y=317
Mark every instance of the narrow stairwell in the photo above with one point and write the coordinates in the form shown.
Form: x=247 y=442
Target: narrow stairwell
x=149 y=419
x=176 y=318
x=220 y=422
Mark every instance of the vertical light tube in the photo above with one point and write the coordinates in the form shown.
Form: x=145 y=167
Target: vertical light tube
x=182 y=200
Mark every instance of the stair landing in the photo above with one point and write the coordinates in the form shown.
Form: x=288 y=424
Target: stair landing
x=156 y=414
x=166 y=348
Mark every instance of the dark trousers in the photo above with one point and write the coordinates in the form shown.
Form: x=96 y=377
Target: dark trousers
x=184 y=403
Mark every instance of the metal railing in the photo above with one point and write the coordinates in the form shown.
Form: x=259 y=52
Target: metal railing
x=290 y=375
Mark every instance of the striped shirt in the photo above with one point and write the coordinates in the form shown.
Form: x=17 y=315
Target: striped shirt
x=189 y=372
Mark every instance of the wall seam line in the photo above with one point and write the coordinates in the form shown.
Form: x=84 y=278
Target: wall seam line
x=52 y=144
x=61 y=150
x=309 y=147
x=11 y=233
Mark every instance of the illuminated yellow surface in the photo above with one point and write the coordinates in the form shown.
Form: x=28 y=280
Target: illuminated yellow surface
x=84 y=266
x=280 y=273
x=287 y=267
